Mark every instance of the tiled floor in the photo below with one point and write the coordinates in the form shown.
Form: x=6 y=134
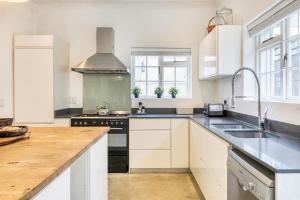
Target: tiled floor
x=152 y=187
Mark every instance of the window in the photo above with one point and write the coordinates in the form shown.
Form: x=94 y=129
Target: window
x=277 y=58
x=166 y=68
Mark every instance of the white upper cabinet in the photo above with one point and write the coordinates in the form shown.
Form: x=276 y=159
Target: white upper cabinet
x=220 y=52
x=41 y=82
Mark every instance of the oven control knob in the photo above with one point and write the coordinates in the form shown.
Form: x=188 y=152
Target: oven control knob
x=94 y=122
x=117 y=123
x=121 y=123
x=80 y=123
x=101 y=123
x=111 y=123
x=106 y=123
x=75 y=123
x=85 y=123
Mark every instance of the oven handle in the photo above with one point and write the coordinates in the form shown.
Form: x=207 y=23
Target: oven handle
x=116 y=128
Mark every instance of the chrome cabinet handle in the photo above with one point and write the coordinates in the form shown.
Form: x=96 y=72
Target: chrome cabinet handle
x=116 y=128
x=251 y=185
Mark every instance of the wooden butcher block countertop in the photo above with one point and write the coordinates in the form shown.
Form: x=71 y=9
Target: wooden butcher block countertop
x=28 y=166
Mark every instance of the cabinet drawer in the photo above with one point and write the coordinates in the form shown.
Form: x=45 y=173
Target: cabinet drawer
x=147 y=139
x=150 y=158
x=149 y=124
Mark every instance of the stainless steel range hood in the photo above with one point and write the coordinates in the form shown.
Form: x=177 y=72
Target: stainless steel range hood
x=104 y=61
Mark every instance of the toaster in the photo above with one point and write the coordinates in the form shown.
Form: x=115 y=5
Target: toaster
x=213 y=109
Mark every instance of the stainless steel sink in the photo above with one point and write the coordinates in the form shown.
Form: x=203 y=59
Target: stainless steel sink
x=251 y=134
x=231 y=126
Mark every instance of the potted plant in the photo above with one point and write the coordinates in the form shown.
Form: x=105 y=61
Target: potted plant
x=159 y=91
x=173 y=92
x=136 y=91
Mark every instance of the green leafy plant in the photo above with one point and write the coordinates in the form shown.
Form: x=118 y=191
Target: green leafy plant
x=173 y=92
x=159 y=91
x=136 y=91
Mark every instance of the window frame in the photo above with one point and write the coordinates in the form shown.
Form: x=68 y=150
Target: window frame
x=283 y=40
x=161 y=65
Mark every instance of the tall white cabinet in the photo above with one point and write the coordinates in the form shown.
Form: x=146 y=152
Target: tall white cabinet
x=41 y=78
x=220 y=52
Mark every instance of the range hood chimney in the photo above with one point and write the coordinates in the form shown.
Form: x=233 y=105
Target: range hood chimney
x=104 y=61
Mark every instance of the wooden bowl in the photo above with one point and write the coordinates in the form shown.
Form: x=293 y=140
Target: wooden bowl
x=12 y=131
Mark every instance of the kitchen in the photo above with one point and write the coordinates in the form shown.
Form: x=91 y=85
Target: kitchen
x=165 y=147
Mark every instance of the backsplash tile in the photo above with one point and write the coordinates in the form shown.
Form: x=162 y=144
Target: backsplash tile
x=110 y=88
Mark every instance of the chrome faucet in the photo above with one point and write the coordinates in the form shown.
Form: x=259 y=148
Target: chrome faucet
x=260 y=120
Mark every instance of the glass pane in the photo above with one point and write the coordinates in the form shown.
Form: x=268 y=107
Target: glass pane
x=181 y=58
x=293 y=82
x=182 y=88
x=142 y=85
x=151 y=87
x=275 y=59
x=168 y=58
x=181 y=74
x=167 y=86
x=169 y=74
x=293 y=53
x=293 y=25
x=140 y=60
x=265 y=35
x=264 y=86
x=153 y=74
x=276 y=84
x=140 y=74
x=263 y=61
x=276 y=30
x=152 y=61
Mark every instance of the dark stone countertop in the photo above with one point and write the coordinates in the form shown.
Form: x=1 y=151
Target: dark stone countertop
x=279 y=154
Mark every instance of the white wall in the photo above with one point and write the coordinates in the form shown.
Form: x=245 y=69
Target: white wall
x=14 y=19
x=244 y=11
x=136 y=24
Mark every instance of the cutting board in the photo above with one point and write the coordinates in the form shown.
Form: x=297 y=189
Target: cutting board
x=11 y=140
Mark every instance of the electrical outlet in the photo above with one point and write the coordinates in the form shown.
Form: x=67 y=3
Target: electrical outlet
x=1 y=103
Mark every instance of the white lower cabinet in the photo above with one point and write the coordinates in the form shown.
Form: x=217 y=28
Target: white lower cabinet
x=158 y=143
x=208 y=162
x=149 y=158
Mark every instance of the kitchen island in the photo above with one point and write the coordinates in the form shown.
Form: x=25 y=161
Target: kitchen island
x=55 y=163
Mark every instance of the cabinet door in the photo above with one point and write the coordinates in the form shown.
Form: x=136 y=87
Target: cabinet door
x=180 y=143
x=195 y=152
x=149 y=124
x=208 y=56
x=149 y=159
x=33 y=86
x=150 y=139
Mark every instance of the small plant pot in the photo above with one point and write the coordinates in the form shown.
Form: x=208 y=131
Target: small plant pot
x=158 y=96
x=136 y=96
x=173 y=96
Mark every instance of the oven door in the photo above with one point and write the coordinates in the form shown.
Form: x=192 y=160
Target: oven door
x=118 y=150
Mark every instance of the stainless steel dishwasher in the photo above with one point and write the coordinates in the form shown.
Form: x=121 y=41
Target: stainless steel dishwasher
x=248 y=179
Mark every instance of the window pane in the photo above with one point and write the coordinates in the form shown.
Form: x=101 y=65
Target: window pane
x=293 y=25
x=169 y=73
x=293 y=53
x=293 y=82
x=141 y=85
x=168 y=58
x=151 y=87
x=167 y=86
x=263 y=61
x=275 y=58
x=264 y=85
x=182 y=88
x=153 y=74
x=181 y=58
x=152 y=61
x=276 y=84
x=140 y=60
x=140 y=74
x=181 y=73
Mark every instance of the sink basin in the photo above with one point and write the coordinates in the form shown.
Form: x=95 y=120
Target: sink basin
x=251 y=134
x=231 y=126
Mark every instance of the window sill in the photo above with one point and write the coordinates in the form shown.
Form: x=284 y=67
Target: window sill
x=286 y=101
x=163 y=98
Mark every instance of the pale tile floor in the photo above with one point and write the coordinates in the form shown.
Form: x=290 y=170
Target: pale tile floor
x=152 y=187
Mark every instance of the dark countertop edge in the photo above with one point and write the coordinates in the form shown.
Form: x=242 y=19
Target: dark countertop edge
x=158 y=116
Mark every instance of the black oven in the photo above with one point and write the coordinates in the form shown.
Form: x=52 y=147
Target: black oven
x=118 y=153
